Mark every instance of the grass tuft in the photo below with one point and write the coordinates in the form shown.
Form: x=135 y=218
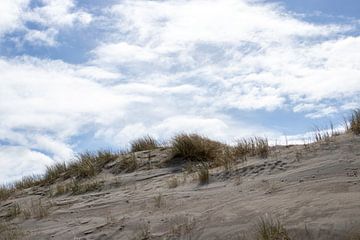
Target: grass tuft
x=203 y=174
x=54 y=172
x=269 y=229
x=194 y=147
x=173 y=182
x=10 y=232
x=28 y=182
x=355 y=122
x=89 y=164
x=126 y=164
x=256 y=146
x=144 y=143
x=5 y=192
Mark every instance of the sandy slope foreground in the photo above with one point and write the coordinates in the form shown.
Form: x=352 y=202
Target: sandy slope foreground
x=313 y=190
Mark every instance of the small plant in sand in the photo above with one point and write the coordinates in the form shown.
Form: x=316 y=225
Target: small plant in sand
x=159 y=200
x=182 y=227
x=142 y=232
x=37 y=209
x=77 y=187
x=194 y=147
x=269 y=229
x=173 y=182
x=144 y=143
x=13 y=211
x=228 y=158
x=203 y=174
x=10 y=232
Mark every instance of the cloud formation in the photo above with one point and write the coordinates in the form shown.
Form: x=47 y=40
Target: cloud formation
x=162 y=67
x=42 y=22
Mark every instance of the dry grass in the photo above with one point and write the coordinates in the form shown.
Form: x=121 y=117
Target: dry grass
x=37 y=210
x=126 y=164
x=325 y=134
x=77 y=188
x=269 y=229
x=142 y=232
x=194 y=147
x=183 y=227
x=144 y=143
x=159 y=201
x=255 y=146
x=5 y=192
x=173 y=182
x=13 y=211
x=28 y=182
x=89 y=164
x=54 y=172
x=228 y=158
x=203 y=174
x=10 y=232
x=354 y=125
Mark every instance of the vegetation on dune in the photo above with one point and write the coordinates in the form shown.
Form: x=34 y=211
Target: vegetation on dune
x=194 y=147
x=90 y=164
x=144 y=143
x=355 y=122
x=269 y=229
x=126 y=164
x=10 y=232
x=251 y=147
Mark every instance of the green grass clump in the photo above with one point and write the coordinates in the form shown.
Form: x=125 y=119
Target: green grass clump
x=144 y=143
x=194 y=147
x=355 y=122
x=269 y=229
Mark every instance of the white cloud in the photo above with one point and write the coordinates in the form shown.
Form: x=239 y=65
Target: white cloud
x=46 y=37
x=10 y=14
x=16 y=161
x=57 y=13
x=51 y=16
x=252 y=55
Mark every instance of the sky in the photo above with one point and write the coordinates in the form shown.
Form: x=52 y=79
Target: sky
x=79 y=75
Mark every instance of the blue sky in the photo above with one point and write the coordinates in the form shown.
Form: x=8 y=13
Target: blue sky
x=79 y=75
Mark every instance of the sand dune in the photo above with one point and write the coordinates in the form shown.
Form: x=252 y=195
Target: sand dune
x=313 y=190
